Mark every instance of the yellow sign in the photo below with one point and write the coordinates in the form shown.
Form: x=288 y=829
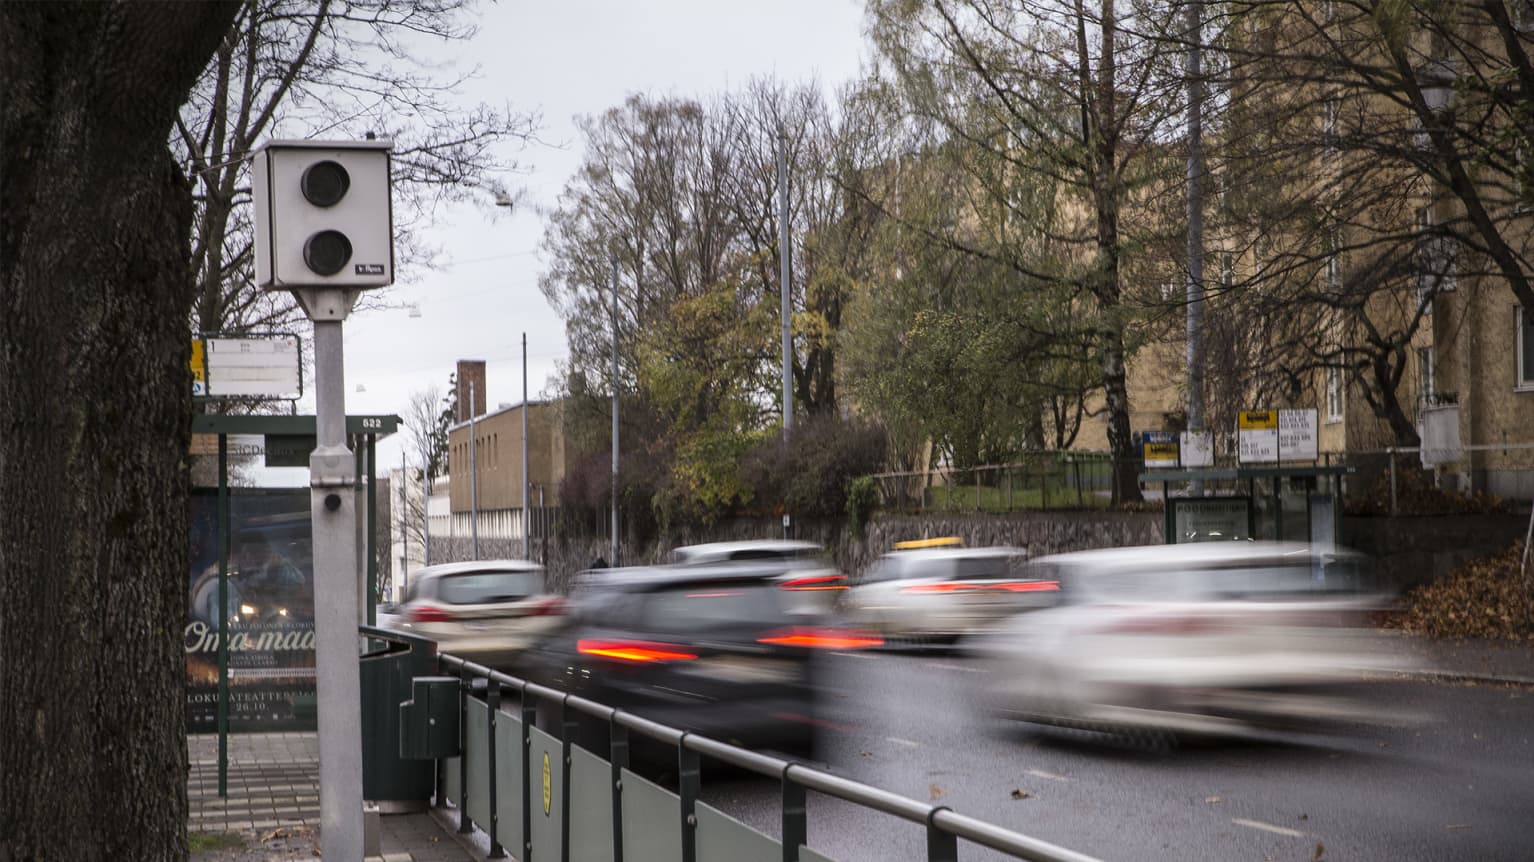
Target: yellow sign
x=199 y=369
x=1161 y=453
x=1257 y=420
x=548 y=785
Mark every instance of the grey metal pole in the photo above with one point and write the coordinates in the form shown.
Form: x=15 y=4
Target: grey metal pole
x=425 y=513
x=404 y=528
x=1195 y=250
x=333 y=506
x=785 y=289
x=527 y=521
x=473 y=479
x=613 y=265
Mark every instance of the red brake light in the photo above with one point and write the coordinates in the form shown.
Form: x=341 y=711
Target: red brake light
x=816 y=582
x=550 y=607
x=635 y=651
x=1029 y=586
x=819 y=638
x=430 y=614
x=943 y=587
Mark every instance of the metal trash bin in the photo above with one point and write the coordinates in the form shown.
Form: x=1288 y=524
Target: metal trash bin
x=394 y=659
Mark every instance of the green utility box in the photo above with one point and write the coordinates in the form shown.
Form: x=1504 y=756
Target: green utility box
x=429 y=720
x=388 y=671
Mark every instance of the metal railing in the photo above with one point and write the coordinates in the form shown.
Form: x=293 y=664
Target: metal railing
x=944 y=826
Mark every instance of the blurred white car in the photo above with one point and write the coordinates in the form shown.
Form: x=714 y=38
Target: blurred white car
x=487 y=611
x=1198 y=639
x=809 y=580
x=945 y=592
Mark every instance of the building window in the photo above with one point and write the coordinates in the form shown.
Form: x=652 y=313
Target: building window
x=1525 y=380
x=1334 y=395
x=1435 y=261
x=1227 y=270
x=1425 y=375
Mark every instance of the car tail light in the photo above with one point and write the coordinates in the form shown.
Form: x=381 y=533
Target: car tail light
x=431 y=614
x=943 y=587
x=635 y=651
x=816 y=582
x=820 y=638
x=550 y=607
x=973 y=587
x=1029 y=586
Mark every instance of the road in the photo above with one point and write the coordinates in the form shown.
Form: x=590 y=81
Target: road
x=1457 y=783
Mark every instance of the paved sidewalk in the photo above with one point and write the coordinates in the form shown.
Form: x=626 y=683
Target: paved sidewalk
x=1468 y=660
x=273 y=805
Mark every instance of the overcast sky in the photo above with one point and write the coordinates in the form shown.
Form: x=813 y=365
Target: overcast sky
x=565 y=59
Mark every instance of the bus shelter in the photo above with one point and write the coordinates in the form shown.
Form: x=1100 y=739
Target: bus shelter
x=265 y=613
x=1301 y=504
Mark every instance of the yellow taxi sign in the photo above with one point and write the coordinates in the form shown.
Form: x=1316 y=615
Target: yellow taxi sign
x=940 y=542
x=1257 y=420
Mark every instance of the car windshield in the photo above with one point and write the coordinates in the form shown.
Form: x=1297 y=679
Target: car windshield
x=981 y=568
x=480 y=588
x=704 y=606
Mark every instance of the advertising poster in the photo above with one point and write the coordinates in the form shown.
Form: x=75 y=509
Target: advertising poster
x=1159 y=449
x=1212 y=519
x=270 y=607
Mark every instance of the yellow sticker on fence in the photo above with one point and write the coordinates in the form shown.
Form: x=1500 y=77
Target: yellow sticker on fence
x=548 y=785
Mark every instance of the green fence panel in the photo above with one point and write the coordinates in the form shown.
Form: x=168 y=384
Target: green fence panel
x=652 y=820
x=722 y=838
x=476 y=746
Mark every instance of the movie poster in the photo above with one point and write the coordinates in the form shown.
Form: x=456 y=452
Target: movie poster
x=270 y=607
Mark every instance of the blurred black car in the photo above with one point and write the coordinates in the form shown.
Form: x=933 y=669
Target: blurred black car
x=711 y=649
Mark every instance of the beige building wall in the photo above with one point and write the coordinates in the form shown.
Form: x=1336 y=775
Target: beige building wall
x=498 y=458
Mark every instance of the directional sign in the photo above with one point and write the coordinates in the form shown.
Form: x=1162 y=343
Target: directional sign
x=254 y=367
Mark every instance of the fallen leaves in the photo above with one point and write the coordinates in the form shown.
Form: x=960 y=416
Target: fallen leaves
x=1483 y=598
x=1213 y=800
x=1320 y=851
x=1019 y=793
x=1456 y=826
x=1416 y=494
x=935 y=790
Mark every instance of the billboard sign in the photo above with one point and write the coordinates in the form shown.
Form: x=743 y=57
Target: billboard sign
x=1211 y=519
x=269 y=608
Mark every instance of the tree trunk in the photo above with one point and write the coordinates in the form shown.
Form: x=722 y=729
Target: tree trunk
x=95 y=289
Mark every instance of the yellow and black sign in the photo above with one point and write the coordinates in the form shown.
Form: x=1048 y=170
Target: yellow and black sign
x=1257 y=420
x=199 y=368
x=548 y=785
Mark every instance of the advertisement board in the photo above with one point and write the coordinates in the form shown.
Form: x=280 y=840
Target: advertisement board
x=1211 y=519
x=269 y=607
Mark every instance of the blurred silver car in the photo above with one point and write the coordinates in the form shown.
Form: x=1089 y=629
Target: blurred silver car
x=810 y=582
x=1196 y=640
x=944 y=592
x=487 y=611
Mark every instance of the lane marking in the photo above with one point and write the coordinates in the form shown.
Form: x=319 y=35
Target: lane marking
x=945 y=666
x=1050 y=775
x=854 y=655
x=1268 y=827
x=898 y=741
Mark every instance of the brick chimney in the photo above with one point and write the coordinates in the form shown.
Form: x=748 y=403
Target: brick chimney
x=470 y=371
